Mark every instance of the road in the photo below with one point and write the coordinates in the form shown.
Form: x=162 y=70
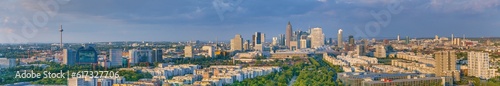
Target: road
x=292 y=81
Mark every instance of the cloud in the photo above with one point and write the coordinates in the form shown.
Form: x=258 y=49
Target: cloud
x=463 y=5
x=323 y=1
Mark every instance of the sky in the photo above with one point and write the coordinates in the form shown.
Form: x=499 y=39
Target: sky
x=32 y=21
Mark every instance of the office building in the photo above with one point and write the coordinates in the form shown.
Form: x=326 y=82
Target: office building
x=317 y=37
x=407 y=40
x=305 y=42
x=282 y=40
x=86 y=55
x=157 y=55
x=275 y=41
x=115 y=58
x=140 y=56
x=237 y=43
x=351 y=40
x=294 y=45
x=288 y=34
x=380 y=51
x=339 y=39
x=259 y=41
x=246 y=45
x=69 y=57
x=446 y=64
x=361 y=50
x=479 y=65
x=7 y=63
x=210 y=50
x=188 y=51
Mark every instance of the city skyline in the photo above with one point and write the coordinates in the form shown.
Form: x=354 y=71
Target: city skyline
x=207 y=20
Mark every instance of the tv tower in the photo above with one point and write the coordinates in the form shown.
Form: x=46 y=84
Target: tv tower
x=61 y=30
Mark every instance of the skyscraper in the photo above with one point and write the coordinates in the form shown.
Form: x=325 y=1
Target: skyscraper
x=282 y=39
x=288 y=34
x=398 y=37
x=305 y=42
x=259 y=41
x=407 y=40
x=275 y=41
x=237 y=43
x=479 y=65
x=339 y=39
x=351 y=40
x=317 y=37
x=445 y=64
x=246 y=45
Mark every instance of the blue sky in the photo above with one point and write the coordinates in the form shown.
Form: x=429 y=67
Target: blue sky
x=183 y=20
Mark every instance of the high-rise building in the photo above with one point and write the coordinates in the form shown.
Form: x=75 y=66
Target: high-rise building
x=407 y=40
x=275 y=41
x=361 y=50
x=246 y=45
x=330 y=41
x=380 y=51
x=157 y=55
x=69 y=57
x=210 y=51
x=445 y=64
x=351 y=40
x=188 y=51
x=7 y=63
x=115 y=58
x=317 y=37
x=479 y=65
x=237 y=43
x=398 y=37
x=86 y=54
x=288 y=34
x=259 y=41
x=305 y=41
x=339 y=39
x=140 y=56
x=282 y=40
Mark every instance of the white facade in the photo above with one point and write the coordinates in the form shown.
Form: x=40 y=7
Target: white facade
x=237 y=43
x=137 y=56
x=317 y=37
x=7 y=63
x=479 y=65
